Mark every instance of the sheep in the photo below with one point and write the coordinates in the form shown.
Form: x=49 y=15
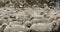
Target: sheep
x=45 y=20
x=20 y=31
x=36 y=15
x=40 y=27
x=28 y=24
x=15 y=28
x=15 y=23
x=58 y=24
x=43 y=27
x=1 y=21
x=1 y=28
x=4 y=25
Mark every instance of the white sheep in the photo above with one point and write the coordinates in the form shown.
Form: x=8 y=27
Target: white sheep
x=45 y=20
x=15 y=23
x=42 y=27
x=20 y=31
x=28 y=24
x=15 y=28
x=1 y=28
x=57 y=24
x=1 y=21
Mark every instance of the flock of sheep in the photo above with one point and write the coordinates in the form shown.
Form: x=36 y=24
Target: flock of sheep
x=29 y=20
